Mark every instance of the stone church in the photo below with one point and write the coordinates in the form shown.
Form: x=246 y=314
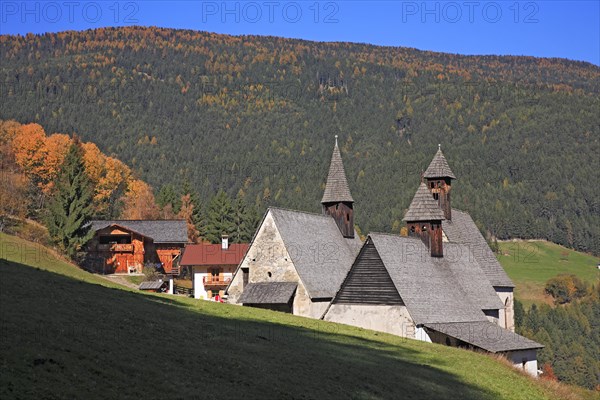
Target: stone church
x=297 y=260
x=441 y=283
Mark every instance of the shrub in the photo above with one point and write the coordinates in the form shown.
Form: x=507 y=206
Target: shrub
x=565 y=288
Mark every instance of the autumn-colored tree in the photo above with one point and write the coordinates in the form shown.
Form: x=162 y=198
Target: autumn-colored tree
x=139 y=201
x=13 y=185
x=187 y=212
x=29 y=148
x=110 y=178
x=548 y=372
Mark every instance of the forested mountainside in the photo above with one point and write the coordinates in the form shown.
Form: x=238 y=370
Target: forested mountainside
x=259 y=114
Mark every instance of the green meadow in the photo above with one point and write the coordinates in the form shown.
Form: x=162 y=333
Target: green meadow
x=66 y=333
x=531 y=263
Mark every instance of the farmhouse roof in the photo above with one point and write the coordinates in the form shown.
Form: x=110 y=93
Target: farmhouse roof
x=337 y=188
x=268 y=293
x=486 y=335
x=423 y=207
x=161 y=231
x=439 y=168
x=321 y=255
x=462 y=229
x=213 y=254
x=436 y=290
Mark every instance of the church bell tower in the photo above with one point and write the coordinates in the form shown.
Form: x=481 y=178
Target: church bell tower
x=337 y=200
x=438 y=178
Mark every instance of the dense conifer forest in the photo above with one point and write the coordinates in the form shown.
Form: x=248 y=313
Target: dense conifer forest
x=256 y=116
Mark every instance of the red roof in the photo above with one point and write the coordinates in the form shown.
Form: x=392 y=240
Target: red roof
x=213 y=254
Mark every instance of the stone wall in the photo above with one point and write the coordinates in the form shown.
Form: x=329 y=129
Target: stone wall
x=383 y=318
x=507 y=315
x=524 y=359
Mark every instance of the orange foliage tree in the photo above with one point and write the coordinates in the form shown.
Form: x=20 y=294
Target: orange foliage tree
x=139 y=201
x=187 y=213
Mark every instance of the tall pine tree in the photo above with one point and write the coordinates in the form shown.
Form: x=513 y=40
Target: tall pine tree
x=219 y=218
x=244 y=219
x=70 y=207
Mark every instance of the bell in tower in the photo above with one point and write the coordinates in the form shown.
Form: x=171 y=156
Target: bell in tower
x=424 y=220
x=438 y=178
x=337 y=200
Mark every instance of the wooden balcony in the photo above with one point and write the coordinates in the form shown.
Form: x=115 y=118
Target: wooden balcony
x=116 y=247
x=210 y=281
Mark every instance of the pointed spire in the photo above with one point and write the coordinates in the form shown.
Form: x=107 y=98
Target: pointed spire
x=423 y=207
x=336 y=189
x=439 y=168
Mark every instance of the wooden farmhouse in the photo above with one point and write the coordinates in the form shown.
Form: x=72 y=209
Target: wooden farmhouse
x=211 y=266
x=125 y=246
x=297 y=260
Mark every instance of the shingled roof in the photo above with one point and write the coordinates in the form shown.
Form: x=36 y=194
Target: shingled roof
x=436 y=290
x=462 y=229
x=439 y=168
x=268 y=293
x=161 y=231
x=423 y=207
x=336 y=188
x=321 y=255
x=486 y=335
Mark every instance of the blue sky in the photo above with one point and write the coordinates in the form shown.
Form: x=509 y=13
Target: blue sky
x=568 y=29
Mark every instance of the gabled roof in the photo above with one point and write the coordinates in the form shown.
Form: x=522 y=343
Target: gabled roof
x=213 y=254
x=435 y=290
x=439 y=168
x=151 y=285
x=337 y=188
x=268 y=293
x=423 y=207
x=462 y=229
x=486 y=335
x=160 y=231
x=321 y=255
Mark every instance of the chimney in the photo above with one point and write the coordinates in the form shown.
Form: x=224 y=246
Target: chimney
x=224 y=242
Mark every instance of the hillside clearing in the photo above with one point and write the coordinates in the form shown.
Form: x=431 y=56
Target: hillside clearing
x=531 y=263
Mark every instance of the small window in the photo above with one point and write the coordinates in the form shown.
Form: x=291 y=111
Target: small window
x=432 y=185
x=347 y=217
x=412 y=229
x=436 y=196
x=337 y=206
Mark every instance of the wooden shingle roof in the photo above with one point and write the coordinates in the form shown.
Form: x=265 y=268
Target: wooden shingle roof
x=268 y=293
x=336 y=189
x=161 y=231
x=436 y=290
x=423 y=207
x=439 y=168
x=321 y=255
x=462 y=229
x=486 y=335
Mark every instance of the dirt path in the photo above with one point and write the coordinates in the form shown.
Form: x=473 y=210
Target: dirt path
x=120 y=280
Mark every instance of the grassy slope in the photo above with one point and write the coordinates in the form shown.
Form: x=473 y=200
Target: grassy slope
x=531 y=263
x=69 y=334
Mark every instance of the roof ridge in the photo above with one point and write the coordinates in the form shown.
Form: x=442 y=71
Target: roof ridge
x=136 y=220
x=298 y=211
